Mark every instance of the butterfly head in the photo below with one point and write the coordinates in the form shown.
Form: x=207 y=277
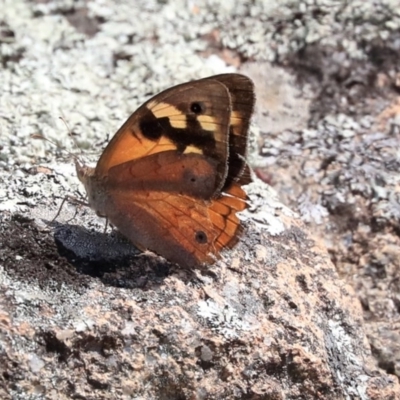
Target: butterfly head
x=93 y=186
x=83 y=171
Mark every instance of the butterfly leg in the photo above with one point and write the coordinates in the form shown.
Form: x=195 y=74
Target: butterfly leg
x=73 y=200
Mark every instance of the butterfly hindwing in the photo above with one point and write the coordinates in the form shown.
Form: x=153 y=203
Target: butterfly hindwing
x=183 y=229
x=170 y=213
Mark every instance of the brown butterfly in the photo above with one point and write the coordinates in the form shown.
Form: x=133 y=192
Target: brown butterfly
x=170 y=179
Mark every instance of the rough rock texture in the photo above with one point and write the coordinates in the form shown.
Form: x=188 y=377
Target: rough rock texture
x=341 y=172
x=85 y=315
x=270 y=321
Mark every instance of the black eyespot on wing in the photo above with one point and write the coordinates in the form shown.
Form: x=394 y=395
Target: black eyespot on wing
x=201 y=237
x=197 y=108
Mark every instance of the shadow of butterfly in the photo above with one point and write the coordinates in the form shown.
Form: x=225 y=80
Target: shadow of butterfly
x=170 y=179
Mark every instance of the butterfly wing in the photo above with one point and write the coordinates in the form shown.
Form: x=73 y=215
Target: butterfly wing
x=180 y=227
x=241 y=90
x=189 y=174
x=191 y=118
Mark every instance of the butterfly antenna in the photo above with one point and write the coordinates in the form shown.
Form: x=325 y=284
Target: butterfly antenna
x=72 y=155
x=41 y=137
x=71 y=136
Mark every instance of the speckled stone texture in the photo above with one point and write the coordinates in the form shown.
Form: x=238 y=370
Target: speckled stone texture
x=271 y=320
x=85 y=315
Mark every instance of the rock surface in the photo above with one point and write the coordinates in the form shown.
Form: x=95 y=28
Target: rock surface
x=270 y=320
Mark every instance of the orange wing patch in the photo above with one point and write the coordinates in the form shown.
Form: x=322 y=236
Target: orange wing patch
x=130 y=145
x=183 y=229
x=223 y=216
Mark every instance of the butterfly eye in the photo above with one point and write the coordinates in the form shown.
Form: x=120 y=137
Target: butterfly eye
x=197 y=108
x=201 y=237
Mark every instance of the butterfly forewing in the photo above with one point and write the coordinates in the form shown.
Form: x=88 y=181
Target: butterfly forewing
x=190 y=118
x=170 y=171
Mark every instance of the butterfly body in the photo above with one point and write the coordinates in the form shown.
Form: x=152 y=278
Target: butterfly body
x=170 y=179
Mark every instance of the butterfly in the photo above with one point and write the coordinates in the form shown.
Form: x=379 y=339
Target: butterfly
x=170 y=179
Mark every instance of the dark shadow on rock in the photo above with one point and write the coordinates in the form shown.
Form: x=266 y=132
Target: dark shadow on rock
x=109 y=257
x=72 y=255
x=29 y=254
